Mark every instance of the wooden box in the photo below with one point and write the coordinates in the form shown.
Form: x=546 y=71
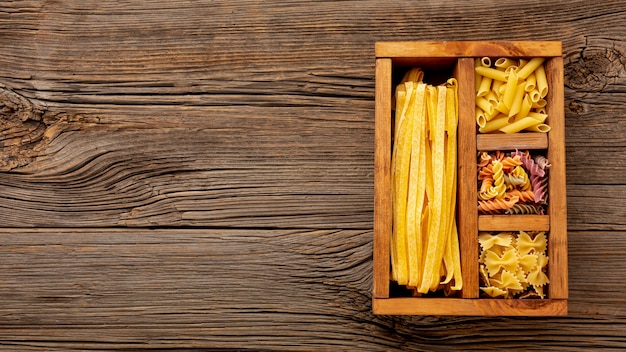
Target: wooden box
x=457 y=59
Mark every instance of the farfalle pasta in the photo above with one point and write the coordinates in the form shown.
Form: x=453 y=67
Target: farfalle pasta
x=512 y=183
x=513 y=265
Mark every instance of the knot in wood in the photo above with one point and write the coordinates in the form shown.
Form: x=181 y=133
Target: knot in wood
x=21 y=127
x=576 y=107
x=594 y=69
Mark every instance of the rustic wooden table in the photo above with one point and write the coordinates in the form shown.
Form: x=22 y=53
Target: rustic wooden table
x=196 y=174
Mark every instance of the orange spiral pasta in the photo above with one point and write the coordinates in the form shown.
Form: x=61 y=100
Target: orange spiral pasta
x=494 y=206
x=485 y=172
x=485 y=159
x=486 y=183
x=524 y=196
x=509 y=163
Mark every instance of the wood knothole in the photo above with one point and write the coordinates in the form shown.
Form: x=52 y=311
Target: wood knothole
x=594 y=69
x=26 y=126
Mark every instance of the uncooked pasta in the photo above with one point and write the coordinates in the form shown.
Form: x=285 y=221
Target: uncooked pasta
x=512 y=183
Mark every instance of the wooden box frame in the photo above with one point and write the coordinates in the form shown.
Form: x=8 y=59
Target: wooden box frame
x=458 y=59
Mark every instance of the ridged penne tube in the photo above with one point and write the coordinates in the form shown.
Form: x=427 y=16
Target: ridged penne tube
x=542 y=127
x=481 y=120
x=502 y=108
x=485 y=61
x=509 y=90
x=485 y=86
x=521 y=124
x=517 y=99
x=539 y=103
x=525 y=107
x=511 y=69
x=542 y=81
x=495 y=87
x=486 y=106
x=534 y=95
x=491 y=73
x=531 y=82
x=504 y=62
x=491 y=97
x=530 y=67
x=495 y=124
x=538 y=116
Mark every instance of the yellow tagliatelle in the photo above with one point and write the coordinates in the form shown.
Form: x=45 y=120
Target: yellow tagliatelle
x=511 y=88
x=424 y=241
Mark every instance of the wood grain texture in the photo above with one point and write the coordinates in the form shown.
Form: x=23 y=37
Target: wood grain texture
x=242 y=133
x=382 y=179
x=197 y=288
x=466 y=179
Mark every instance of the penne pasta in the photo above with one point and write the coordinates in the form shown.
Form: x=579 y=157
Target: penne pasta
x=538 y=116
x=504 y=62
x=517 y=99
x=491 y=97
x=485 y=105
x=521 y=124
x=534 y=96
x=501 y=107
x=511 y=68
x=509 y=89
x=525 y=107
x=539 y=103
x=495 y=124
x=525 y=71
x=542 y=127
x=542 y=81
x=531 y=81
x=485 y=86
x=495 y=86
x=491 y=73
x=481 y=120
x=513 y=88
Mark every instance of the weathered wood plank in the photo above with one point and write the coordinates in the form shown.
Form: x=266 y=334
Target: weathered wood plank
x=256 y=115
x=278 y=289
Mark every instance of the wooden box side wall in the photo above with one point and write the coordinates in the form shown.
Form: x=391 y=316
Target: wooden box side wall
x=557 y=209
x=382 y=178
